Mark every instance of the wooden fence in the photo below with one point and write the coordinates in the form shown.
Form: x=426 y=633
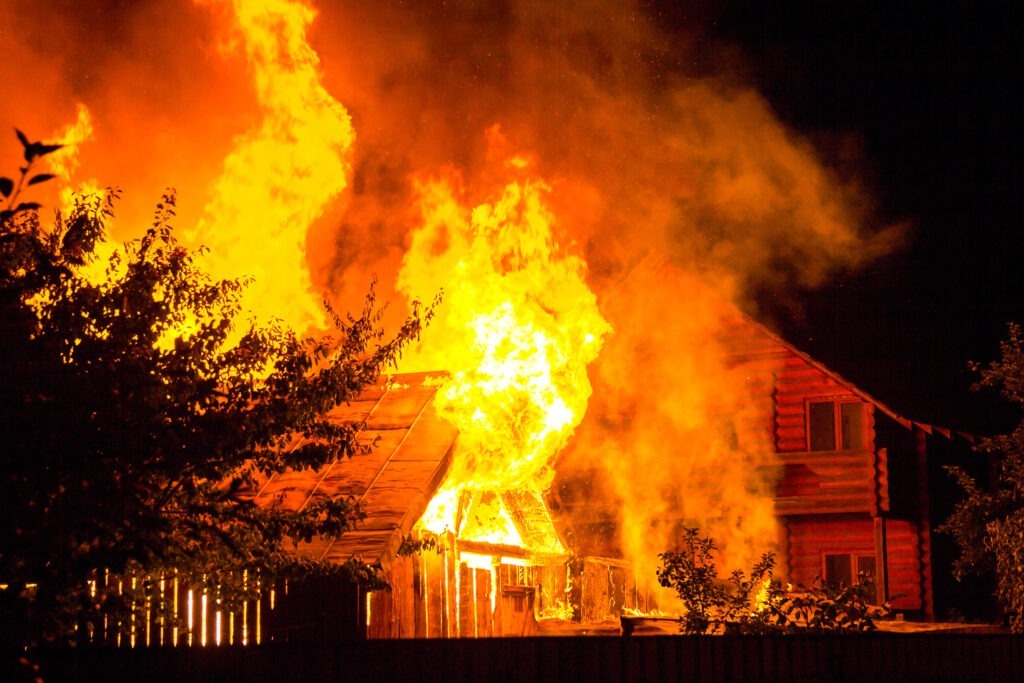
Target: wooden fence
x=877 y=657
x=173 y=611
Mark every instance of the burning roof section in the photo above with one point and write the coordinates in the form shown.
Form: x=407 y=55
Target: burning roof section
x=408 y=458
x=514 y=523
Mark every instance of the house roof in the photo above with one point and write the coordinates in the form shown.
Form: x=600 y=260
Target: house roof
x=863 y=395
x=654 y=264
x=409 y=454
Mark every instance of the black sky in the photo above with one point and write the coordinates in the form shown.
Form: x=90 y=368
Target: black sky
x=922 y=98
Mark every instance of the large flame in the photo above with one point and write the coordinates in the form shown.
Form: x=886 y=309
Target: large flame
x=516 y=330
x=283 y=172
x=65 y=161
x=638 y=156
x=677 y=435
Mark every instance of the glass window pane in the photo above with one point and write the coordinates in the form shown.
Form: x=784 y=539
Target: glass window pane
x=821 y=421
x=866 y=563
x=852 y=420
x=838 y=570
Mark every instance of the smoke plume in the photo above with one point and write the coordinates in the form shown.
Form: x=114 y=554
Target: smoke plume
x=641 y=157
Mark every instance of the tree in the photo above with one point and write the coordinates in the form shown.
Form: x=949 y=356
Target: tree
x=135 y=423
x=711 y=605
x=988 y=524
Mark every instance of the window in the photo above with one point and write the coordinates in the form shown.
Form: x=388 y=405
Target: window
x=843 y=569
x=835 y=425
x=838 y=570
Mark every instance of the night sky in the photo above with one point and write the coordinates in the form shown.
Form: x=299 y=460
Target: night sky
x=920 y=97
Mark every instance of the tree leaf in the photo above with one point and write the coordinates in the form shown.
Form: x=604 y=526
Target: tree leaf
x=40 y=178
x=43 y=150
x=31 y=152
x=6 y=187
x=23 y=138
x=28 y=206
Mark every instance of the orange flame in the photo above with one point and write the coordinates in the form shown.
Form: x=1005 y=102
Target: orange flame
x=64 y=164
x=283 y=173
x=698 y=169
x=65 y=161
x=517 y=329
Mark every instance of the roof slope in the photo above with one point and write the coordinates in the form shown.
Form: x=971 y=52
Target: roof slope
x=655 y=267
x=410 y=448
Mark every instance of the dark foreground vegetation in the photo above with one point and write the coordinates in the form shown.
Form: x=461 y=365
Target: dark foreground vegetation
x=906 y=658
x=141 y=409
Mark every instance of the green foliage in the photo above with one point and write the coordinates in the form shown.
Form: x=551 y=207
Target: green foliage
x=756 y=602
x=712 y=605
x=822 y=607
x=988 y=524
x=135 y=447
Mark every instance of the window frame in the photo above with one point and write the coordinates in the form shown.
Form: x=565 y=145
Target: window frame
x=854 y=561
x=837 y=403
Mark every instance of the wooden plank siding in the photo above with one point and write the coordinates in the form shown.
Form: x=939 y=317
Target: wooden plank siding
x=781 y=383
x=796 y=382
x=830 y=501
x=827 y=482
x=809 y=539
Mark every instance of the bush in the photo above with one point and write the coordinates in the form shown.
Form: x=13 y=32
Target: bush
x=756 y=602
x=137 y=425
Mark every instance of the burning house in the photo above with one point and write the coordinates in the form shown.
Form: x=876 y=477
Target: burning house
x=576 y=400
x=847 y=482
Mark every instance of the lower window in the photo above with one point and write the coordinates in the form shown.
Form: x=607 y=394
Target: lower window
x=843 y=570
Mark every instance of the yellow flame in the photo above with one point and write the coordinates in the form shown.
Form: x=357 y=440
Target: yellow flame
x=490 y=522
x=283 y=173
x=562 y=609
x=761 y=597
x=64 y=162
x=516 y=331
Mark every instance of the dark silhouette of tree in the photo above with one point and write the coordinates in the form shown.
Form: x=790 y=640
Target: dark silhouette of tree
x=988 y=524
x=135 y=424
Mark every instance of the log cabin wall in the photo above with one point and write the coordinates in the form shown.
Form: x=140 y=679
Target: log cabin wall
x=833 y=493
x=813 y=541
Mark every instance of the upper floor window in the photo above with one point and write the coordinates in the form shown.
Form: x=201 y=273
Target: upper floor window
x=835 y=425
